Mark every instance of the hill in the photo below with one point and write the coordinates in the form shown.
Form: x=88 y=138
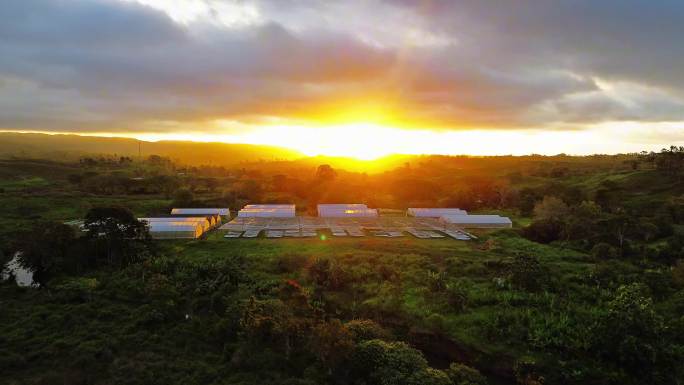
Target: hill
x=70 y=147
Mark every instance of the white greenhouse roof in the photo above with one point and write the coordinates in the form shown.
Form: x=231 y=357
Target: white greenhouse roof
x=170 y=230
x=174 y=219
x=201 y=211
x=342 y=206
x=203 y=222
x=174 y=226
x=346 y=210
x=266 y=211
x=270 y=206
x=434 y=212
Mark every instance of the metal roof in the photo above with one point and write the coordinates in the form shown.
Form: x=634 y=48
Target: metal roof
x=201 y=211
x=434 y=212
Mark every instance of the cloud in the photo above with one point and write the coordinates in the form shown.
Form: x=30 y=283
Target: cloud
x=117 y=65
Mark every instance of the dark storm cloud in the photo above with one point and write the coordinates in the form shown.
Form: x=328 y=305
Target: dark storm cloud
x=107 y=64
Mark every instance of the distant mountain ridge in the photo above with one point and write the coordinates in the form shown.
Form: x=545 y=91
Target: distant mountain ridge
x=66 y=147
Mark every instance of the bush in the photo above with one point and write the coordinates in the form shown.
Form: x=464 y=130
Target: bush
x=633 y=336
x=457 y=295
x=380 y=362
x=678 y=273
x=291 y=263
x=603 y=251
x=363 y=330
x=544 y=231
x=527 y=273
x=526 y=372
x=182 y=198
x=460 y=374
x=10 y=360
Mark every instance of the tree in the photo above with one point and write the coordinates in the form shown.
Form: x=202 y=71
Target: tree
x=165 y=184
x=633 y=336
x=325 y=173
x=619 y=225
x=527 y=273
x=326 y=274
x=544 y=231
x=527 y=198
x=212 y=184
x=365 y=329
x=551 y=209
x=377 y=362
x=331 y=342
x=603 y=250
x=460 y=374
x=671 y=161
x=581 y=222
x=44 y=248
x=183 y=198
x=124 y=237
x=250 y=189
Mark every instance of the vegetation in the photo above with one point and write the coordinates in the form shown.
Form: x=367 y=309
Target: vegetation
x=587 y=288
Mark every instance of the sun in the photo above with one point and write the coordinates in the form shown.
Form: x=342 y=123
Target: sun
x=364 y=141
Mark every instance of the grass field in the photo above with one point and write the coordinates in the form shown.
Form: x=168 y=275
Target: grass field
x=386 y=279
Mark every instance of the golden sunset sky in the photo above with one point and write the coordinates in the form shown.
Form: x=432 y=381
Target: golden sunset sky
x=359 y=78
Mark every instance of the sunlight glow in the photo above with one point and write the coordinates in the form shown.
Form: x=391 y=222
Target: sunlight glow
x=367 y=141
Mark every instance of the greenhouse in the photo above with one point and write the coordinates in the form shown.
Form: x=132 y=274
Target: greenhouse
x=268 y=211
x=433 y=212
x=175 y=230
x=214 y=219
x=202 y=222
x=345 y=210
x=224 y=212
x=477 y=221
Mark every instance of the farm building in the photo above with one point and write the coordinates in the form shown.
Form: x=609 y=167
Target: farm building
x=268 y=211
x=477 y=221
x=342 y=210
x=175 y=230
x=202 y=211
x=203 y=222
x=435 y=212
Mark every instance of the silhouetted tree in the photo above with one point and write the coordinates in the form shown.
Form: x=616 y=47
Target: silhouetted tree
x=124 y=238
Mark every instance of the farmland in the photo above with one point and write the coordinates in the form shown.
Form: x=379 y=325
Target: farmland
x=544 y=301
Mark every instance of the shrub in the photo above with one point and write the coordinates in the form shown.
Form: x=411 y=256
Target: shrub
x=678 y=273
x=527 y=273
x=291 y=263
x=603 y=251
x=460 y=374
x=632 y=335
x=457 y=295
x=526 y=372
x=365 y=329
x=183 y=198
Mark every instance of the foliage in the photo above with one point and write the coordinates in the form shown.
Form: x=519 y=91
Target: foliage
x=527 y=273
x=118 y=233
x=632 y=335
x=183 y=198
x=44 y=250
x=460 y=374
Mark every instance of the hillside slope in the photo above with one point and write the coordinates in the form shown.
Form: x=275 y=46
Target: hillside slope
x=73 y=146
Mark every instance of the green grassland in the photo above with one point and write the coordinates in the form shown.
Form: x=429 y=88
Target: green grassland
x=387 y=280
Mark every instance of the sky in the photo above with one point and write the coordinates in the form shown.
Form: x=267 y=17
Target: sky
x=359 y=78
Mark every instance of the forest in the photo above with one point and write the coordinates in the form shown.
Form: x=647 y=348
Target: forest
x=587 y=288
